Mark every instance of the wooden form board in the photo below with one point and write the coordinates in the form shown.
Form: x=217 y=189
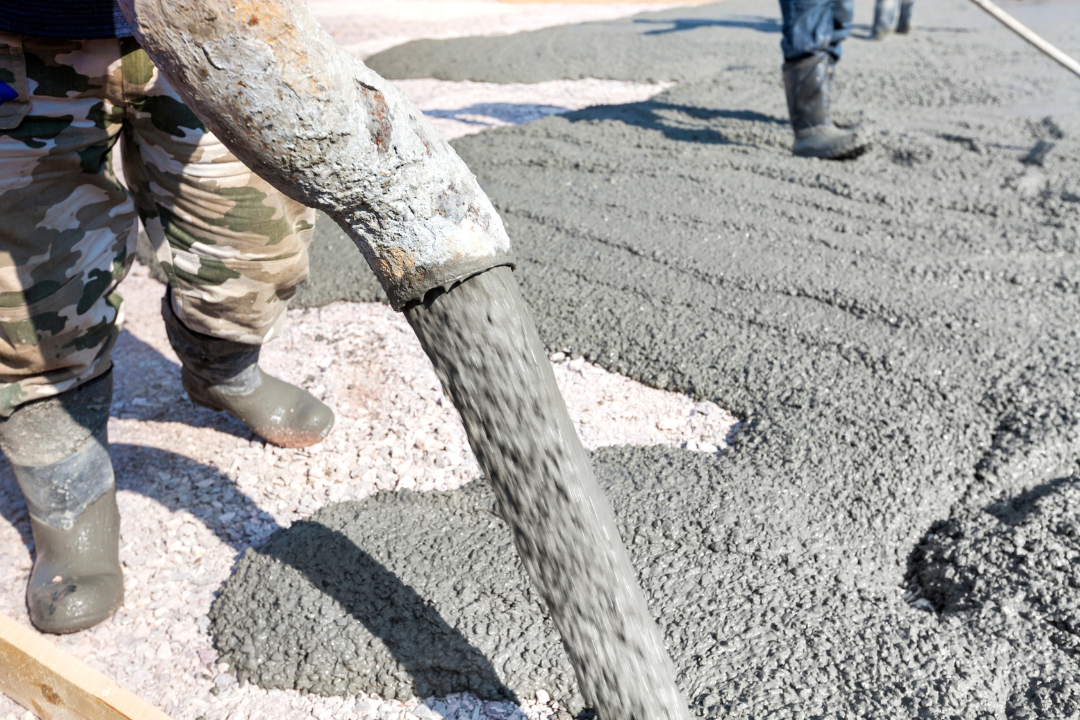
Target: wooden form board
x=55 y=686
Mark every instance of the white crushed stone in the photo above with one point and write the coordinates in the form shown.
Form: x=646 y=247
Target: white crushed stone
x=365 y=27
x=394 y=430
x=465 y=107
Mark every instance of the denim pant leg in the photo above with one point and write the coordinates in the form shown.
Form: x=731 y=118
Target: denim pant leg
x=814 y=26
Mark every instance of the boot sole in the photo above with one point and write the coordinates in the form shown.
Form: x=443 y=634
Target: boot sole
x=282 y=437
x=72 y=624
x=845 y=154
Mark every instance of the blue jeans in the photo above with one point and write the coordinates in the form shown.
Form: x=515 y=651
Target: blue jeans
x=815 y=26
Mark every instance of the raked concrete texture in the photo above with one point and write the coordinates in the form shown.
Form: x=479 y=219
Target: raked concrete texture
x=894 y=531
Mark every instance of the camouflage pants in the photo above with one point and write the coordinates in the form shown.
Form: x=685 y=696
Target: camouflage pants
x=234 y=248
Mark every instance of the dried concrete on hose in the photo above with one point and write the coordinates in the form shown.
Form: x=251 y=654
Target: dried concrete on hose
x=900 y=333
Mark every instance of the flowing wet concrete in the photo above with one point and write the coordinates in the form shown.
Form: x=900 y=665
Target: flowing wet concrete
x=892 y=533
x=493 y=367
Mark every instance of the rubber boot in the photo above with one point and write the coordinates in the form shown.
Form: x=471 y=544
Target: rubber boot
x=808 y=83
x=903 y=26
x=885 y=13
x=224 y=376
x=59 y=450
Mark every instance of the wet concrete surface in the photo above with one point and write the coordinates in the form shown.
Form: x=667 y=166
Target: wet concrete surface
x=899 y=332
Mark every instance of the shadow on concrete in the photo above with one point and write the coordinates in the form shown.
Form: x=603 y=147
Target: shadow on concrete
x=438 y=658
x=952 y=583
x=649 y=115
x=1015 y=510
x=750 y=22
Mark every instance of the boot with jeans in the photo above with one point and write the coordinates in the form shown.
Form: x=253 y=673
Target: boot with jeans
x=808 y=84
x=892 y=16
x=813 y=31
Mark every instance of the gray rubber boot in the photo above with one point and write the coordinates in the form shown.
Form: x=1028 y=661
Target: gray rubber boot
x=808 y=83
x=223 y=375
x=903 y=26
x=885 y=14
x=59 y=450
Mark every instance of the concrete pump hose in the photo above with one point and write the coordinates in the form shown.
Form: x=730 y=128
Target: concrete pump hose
x=1023 y=31
x=320 y=126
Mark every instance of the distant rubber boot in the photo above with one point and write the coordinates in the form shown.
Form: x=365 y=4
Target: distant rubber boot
x=885 y=14
x=808 y=84
x=224 y=375
x=903 y=26
x=59 y=451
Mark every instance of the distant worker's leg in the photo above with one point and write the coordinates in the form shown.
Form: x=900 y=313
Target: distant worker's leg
x=234 y=250
x=813 y=31
x=907 y=7
x=66 y=241
x=885 y=14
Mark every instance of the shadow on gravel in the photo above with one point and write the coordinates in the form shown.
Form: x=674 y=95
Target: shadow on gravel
x=483 y=113
x=147 y=387
x=12 y=505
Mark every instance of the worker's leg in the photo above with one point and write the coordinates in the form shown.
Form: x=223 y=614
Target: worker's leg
x=885 y=15
x=234 y=250
x=843 y=17
x=813 y=31
x=58 y=448
x=66 y=241
x=809 y=27
x=903 y=25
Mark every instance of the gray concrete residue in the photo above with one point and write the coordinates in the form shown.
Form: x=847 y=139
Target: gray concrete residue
x=1012 y=567
x=900 y=334
x=638 y=48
